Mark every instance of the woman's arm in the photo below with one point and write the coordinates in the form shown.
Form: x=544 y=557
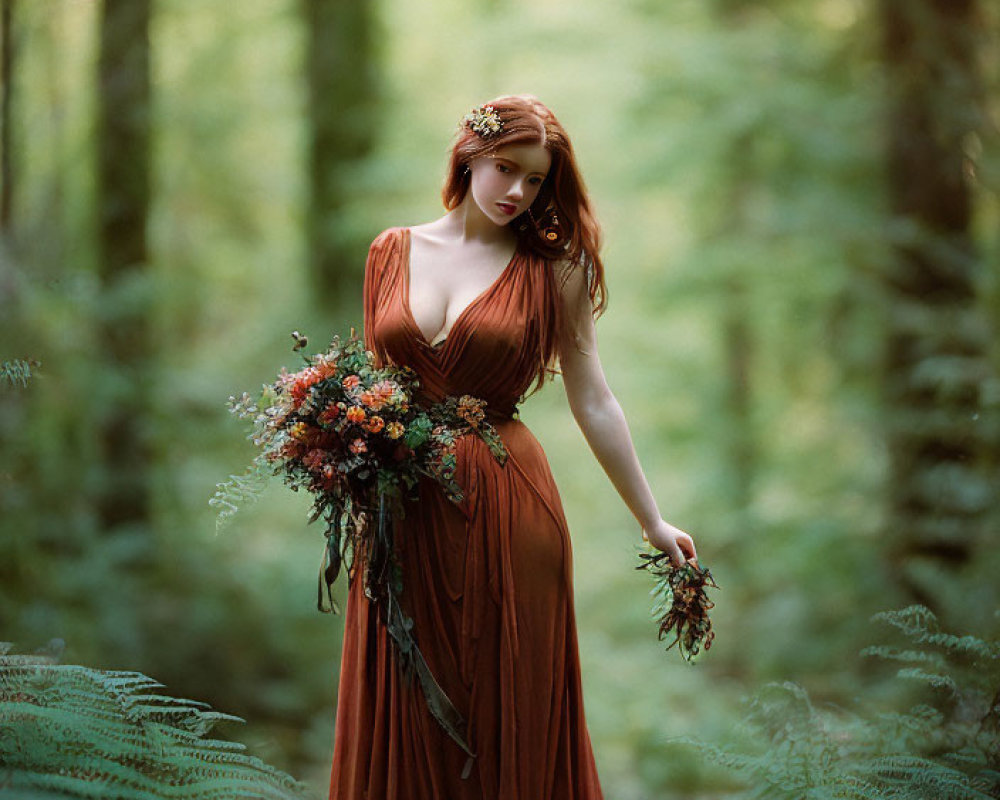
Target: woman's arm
x=600 y=417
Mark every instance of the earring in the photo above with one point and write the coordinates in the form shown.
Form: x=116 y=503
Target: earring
x=552 y=231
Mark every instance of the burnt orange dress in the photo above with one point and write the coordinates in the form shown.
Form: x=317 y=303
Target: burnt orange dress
x=488 y=582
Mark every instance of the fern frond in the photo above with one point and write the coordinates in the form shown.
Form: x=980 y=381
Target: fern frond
x=245 y=488
x=988 y=780
x=737 y=762
x=933 y=679
x=70 y=731
x=857 y=788
x=913 y=656
x=920 y=777
x=18 y=371
x=921 y=719
x=921 y=625
x=926 y=752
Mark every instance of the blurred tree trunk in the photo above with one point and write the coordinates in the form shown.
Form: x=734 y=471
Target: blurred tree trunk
x=936 y=358
x=341 y=75
x=123 y=176
x=7 y=62
x=735 y=193
x=742 y=451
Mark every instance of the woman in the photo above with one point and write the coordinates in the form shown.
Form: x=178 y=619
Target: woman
x=484 y=301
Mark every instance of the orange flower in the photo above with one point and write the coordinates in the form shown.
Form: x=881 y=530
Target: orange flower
x=351 y=382
x=329 y=414
x=375 y=424
x=394 y=430
x=300 y=383
x=355 y=414
x=384 y=390
x=359 y=446
x=325 y=366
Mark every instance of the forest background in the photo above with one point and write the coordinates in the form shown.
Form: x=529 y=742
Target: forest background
x=801 y=219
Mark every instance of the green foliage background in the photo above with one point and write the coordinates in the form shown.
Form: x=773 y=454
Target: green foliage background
x=733 y=153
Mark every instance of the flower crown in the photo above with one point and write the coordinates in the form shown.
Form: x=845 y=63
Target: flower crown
x=483 y=120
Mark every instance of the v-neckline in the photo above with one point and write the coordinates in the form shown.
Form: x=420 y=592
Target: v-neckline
x=441 y=345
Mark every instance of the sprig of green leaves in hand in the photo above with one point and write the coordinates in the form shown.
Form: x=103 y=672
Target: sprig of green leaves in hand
x=681 y=602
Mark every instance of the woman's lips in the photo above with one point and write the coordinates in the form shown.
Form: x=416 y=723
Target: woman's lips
x=507 y=208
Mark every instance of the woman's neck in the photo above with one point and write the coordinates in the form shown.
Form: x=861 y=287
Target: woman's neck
x=468 y=223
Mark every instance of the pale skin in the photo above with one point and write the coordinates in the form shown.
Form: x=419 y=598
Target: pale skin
x=455 y=258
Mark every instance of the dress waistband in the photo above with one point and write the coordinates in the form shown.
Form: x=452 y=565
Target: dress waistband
x=501 y=412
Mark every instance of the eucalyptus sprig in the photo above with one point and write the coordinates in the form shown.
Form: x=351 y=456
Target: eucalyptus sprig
x=681 y=602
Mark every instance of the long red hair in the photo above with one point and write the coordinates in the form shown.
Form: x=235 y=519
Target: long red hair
x=576 y=242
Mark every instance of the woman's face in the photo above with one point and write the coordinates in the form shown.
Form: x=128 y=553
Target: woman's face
x=504 y=183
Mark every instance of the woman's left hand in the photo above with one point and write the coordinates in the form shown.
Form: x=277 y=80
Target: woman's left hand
x=673 y=541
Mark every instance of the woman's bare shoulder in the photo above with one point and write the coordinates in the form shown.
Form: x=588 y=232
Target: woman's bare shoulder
x=432 y=233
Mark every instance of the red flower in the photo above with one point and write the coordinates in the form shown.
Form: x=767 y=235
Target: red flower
x=329 y=477
x=329 y=414
x=301 y=382
x=351 y=382
x=355 y=414
x=313 y=460
x=375 y=424
x=359 y=446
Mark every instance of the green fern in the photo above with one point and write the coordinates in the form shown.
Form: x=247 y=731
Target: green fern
x=69 y=731
x=946 y=751
x=17 y=372
x=240 y=489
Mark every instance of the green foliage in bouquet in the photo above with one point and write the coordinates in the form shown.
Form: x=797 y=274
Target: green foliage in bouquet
x=69 y=731
x=947 y=748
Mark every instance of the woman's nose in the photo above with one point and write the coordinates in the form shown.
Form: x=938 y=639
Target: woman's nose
x=516 y=191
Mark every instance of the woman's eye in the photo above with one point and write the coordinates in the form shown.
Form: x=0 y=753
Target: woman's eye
x=536 y=181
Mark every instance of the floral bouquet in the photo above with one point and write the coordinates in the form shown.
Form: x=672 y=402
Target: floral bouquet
x=355 y=436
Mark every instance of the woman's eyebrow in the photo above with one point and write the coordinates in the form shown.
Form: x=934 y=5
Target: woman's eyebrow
x=517 y=164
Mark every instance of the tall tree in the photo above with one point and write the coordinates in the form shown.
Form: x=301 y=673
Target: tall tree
x=123 y=186
x=6 y=110
x=936 y=357
x=341 y=76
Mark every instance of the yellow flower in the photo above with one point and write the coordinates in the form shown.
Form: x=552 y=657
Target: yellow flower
x=394 y=430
